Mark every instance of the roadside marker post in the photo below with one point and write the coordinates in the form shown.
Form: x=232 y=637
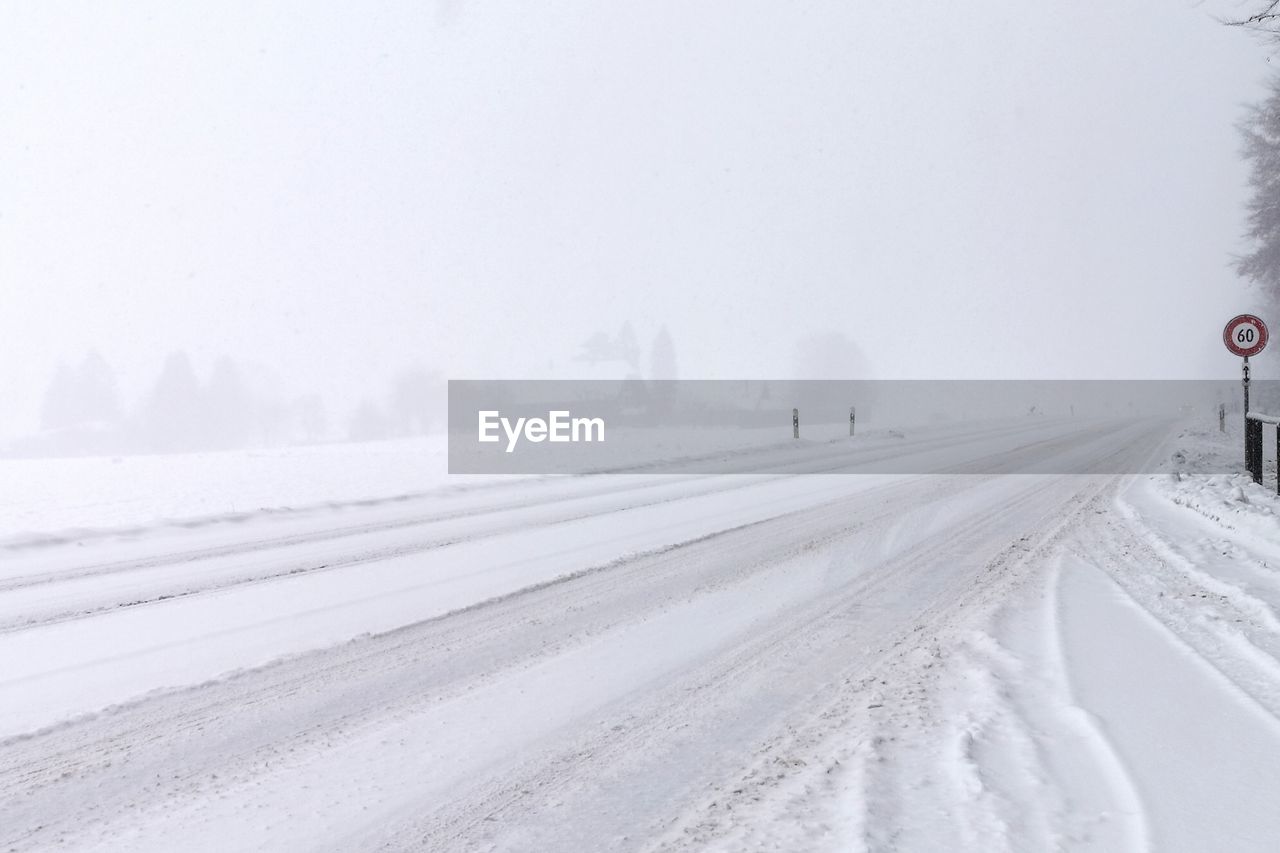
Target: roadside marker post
x=1246 y=335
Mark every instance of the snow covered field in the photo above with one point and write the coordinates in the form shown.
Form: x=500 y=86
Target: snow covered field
x=44 y=498
x=976 y=661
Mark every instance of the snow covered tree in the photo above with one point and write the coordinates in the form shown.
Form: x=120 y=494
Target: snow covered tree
x=311 y=415
x=174 y=413
x=368 y=423
x=1261 y=132
x=829 y=355
x=662 y=358
x=662 y=367
x=86 y=396
x=59 y=408
x=99 y=396
x=418 y=401
x=601 y=348
x=628 y=349
x=230 y=410
x=595 y=349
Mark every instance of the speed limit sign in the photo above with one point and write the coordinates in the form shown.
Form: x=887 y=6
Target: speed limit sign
x=1245 y=335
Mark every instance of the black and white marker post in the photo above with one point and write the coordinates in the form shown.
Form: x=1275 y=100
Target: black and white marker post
x=1245 y=336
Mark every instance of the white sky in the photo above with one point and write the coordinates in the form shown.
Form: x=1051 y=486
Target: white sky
x=987 y=189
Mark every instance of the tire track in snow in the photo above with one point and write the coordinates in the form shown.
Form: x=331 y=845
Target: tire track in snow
x=910 y=577
x=141 y=732
x=354 y=686
x=546 y=491
x=1230 y=629
x=977 y=747
x=848 y=751
x=820 y=645
x=1201 y=749
x=166 y=579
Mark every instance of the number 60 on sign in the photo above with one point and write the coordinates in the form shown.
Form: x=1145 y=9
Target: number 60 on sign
x=1245 y=335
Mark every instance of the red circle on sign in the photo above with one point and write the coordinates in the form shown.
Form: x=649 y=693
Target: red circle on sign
x=1245 y=335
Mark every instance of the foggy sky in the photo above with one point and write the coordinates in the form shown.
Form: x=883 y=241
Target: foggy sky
x=332 y=191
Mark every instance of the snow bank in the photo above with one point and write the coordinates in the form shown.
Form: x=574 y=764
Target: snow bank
x=1200 y=454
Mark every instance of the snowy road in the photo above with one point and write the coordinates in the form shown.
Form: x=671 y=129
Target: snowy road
x=617 y=663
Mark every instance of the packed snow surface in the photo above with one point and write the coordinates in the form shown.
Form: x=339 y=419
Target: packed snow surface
x=983 y=660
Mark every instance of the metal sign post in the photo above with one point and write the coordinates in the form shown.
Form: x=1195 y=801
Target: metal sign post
x=1252 y=434
x=1246 y=335
x=1244 y=371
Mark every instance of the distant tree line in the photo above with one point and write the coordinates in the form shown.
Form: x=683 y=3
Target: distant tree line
x=82 y=396
x=82 y=412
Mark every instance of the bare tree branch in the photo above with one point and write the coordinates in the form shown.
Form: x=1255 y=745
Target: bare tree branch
x=1266 y=19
